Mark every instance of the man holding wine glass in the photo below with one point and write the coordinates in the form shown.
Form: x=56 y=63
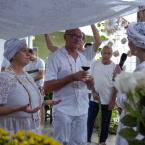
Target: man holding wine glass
x=65 y=76
x=102 y=72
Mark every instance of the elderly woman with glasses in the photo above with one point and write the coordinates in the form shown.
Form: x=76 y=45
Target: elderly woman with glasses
x=20 y=99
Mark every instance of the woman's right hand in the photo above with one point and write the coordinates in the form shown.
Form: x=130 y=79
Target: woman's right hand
x=27 y=109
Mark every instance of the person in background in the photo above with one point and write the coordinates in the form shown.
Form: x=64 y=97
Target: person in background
x=65 y=77
x=20 y=99
x=102 y=72
x=4 y=64
x=87 y=45
x=136 y=43
x=36 y=69
x=88 y=53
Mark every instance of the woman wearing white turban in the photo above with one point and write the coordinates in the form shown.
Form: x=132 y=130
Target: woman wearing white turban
x=20 y=99
x=136 y=43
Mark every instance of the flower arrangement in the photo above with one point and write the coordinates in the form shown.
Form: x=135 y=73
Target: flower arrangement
x=133 y=85
x=20 y=138
x=111 y=26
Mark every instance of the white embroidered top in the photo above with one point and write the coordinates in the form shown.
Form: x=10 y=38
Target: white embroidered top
x=13 y=94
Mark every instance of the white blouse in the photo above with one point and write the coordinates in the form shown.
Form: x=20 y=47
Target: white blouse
x=13 y=94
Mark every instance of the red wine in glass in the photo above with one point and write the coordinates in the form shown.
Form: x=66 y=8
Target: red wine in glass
x=85 y=68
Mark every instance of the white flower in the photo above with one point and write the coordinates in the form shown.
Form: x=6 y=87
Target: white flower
x=125 y=82
x=140 y=78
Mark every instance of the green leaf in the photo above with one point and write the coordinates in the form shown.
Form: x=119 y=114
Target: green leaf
x=134 y=113
x=98 y=25
x=128 y=133
x=32 y=71
x=102 y=30
x=103 y=37
x=129 y=120
x=135 y=142
x=48 y=96
x=142 y=101
x=47 y=107
x=128 y=107
x=143 y=140
x=140 y=128
x=100 y=49
x=143 y=113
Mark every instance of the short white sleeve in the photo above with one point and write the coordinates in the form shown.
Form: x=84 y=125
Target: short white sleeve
x=41 y=65
x=89 y=53
x=51 y=68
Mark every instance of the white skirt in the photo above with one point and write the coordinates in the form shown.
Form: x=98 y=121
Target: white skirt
x=13 y=124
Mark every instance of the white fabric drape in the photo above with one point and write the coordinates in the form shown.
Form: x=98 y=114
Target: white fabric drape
x=21 y=18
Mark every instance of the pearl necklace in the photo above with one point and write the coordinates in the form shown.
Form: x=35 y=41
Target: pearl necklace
x=34 y=115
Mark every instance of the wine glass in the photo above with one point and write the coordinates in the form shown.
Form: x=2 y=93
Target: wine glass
x=85 y=66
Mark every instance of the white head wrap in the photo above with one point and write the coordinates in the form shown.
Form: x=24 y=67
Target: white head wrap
x=136 y=34
x=11 y=47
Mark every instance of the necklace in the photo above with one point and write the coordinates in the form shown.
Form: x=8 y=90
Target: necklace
x=74 y=83
x=34 y=116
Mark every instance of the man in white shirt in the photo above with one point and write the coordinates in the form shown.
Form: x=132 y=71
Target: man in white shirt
x=36 y=69
x=102 y=72
x=89 y=51
x=65 y=77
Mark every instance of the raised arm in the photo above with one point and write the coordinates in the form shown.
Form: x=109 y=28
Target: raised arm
x=142 y=14
x=97 y=38
x=49 y=43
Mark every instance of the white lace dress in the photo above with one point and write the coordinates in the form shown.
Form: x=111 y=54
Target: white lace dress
x=13 y=94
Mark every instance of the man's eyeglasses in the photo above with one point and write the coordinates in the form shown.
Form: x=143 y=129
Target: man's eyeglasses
x=74 y=36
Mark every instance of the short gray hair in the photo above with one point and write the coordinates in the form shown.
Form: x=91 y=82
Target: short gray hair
x=108 y=46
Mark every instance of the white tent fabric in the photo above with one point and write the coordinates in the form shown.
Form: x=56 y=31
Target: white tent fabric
x=21 y=18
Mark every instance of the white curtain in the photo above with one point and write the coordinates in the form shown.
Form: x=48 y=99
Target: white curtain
x=21 y=18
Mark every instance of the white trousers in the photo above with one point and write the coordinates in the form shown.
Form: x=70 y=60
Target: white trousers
x=69 y=128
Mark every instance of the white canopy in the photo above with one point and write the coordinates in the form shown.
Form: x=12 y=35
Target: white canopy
x=21 y=18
